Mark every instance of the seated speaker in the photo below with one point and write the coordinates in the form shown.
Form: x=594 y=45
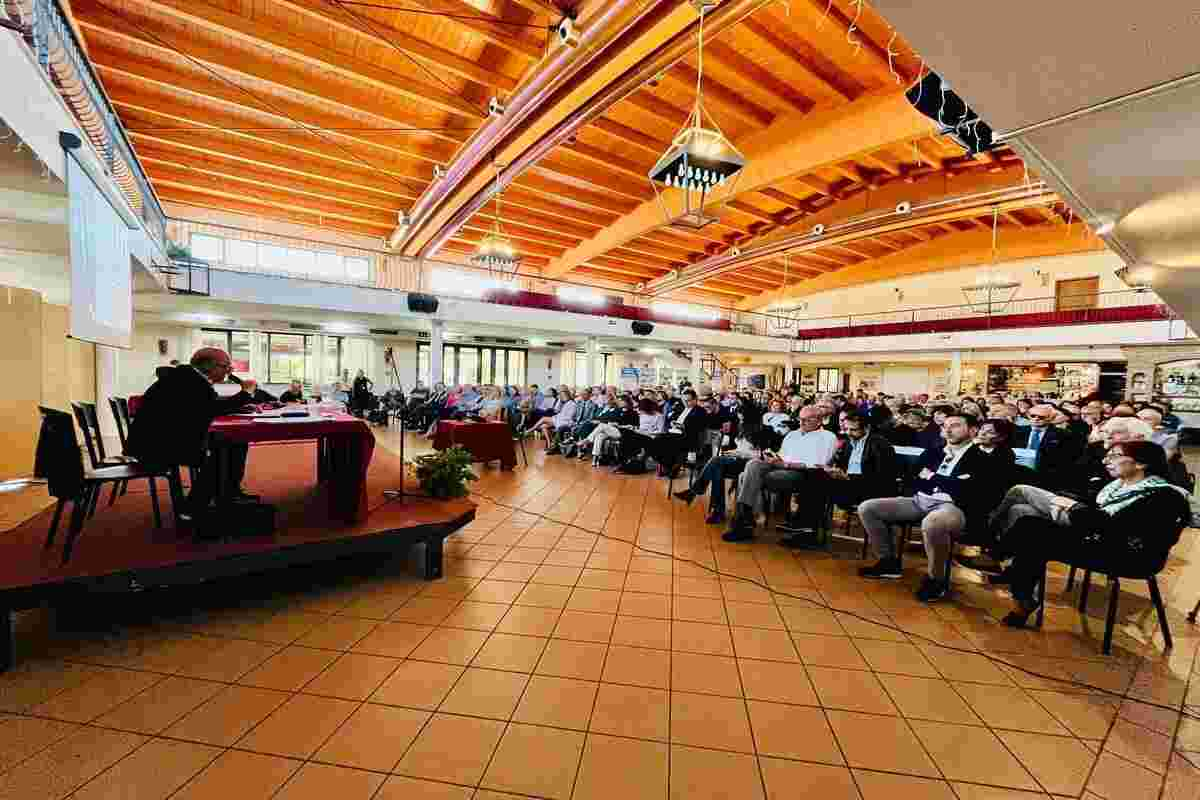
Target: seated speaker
x=934 y=98
x=422 y=303
x=642 y=328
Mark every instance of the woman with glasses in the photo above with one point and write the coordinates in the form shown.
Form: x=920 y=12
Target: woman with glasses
x=1134 y=520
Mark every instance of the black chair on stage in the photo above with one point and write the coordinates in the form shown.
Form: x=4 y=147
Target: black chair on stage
x=89 y=424
x=120 y=412
x=60 y=461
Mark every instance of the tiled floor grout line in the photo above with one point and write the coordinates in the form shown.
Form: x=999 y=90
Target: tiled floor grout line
x=1178 y=725
x=1104 y=741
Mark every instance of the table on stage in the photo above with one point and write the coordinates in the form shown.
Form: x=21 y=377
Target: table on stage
x=485 y=441
x=344 y=448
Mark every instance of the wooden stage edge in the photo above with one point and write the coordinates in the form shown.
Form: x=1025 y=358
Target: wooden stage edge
x=229 y=564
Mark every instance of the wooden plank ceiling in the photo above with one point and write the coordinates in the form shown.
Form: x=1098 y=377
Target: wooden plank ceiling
x=334 y=114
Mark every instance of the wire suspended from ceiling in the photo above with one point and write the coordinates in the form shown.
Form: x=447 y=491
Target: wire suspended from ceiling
x=315 y=132
x=264 y=129
x=441 y=14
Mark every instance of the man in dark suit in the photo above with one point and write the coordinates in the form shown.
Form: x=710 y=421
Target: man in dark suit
x=952 y=493
x=171 y=426
x=1056 y=450
x=257 y=395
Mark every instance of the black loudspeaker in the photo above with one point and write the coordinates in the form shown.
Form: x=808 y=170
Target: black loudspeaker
x=422 y=303
x=642 y=328
x=934 y=98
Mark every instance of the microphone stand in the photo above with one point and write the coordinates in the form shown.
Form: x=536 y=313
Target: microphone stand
x=398 y=494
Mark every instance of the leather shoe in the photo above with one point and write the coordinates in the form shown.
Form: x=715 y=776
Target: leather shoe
x=687 y=496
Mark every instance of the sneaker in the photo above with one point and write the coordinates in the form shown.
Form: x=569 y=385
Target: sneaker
x=714 y=518
x=932 y=590
x=687 y=496
x=885 y=568
x=552 y=451
x=802 y=541
x=738 y=533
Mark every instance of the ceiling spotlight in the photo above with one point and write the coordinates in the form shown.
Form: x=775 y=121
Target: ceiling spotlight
x=568 y=32
x=736 y=251
x=1105 y=225
x=904 y=207
x=439 y=172
x=496 y=107
x=818 y=230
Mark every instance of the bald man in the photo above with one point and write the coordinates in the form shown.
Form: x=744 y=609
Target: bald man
x=1055 y=450
x=171 y=425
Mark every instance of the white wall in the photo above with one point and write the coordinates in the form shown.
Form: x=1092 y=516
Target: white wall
x=945 y=288
x=543 y=367
x=135 y=367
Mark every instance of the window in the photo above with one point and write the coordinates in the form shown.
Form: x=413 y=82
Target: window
x=464 y=284
x=829 y=379
x=325 y=264
x=581 y=378
x=236 y=343
x=684 y=311
x=358 y=269
x=240 y=253
x=272 y=256
x=333 y=359
x=209 y=248
x=485 y=365
x=289 y=358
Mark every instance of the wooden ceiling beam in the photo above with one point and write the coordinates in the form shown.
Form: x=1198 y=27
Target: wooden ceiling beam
x=875 y=161
x=649 y=103
x=223 y=192
x=472 y=237
x=153 y=33
x=283 y=182
x=820 y=14
x=489 y=27
x=281 y=198
x=392 y=37
x=785 y=91
x=516 y=214
x=632 y=136
x=483 y=223
x=612 y=163
x=541 y=205
x=620 y=269
x=248 y=206
x=821 y=83
x=750 y=211
x=572 y=194
x=279 y=160
x=852 y=251
x=683 y=77
x=184 y=112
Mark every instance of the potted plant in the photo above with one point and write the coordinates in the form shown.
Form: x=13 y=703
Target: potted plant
x=445 y=474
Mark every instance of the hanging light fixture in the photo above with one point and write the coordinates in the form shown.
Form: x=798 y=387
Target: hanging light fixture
x=495 y=251
x=701 y=160
x=995 y=290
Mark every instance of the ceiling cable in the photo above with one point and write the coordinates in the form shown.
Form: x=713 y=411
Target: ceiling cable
x=252 y=95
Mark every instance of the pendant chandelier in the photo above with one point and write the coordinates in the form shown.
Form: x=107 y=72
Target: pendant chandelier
x=701 y=160
x=995 y=290
x=495 y=251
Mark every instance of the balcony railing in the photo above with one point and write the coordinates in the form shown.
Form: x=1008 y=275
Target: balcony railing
x=49 y=33
x=1130 y=305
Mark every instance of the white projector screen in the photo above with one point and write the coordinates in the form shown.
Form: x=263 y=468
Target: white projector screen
x=101 y=273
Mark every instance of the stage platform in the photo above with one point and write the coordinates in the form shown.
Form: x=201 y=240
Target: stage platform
x=119 y=550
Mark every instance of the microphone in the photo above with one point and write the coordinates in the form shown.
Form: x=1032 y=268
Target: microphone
x=233 y=379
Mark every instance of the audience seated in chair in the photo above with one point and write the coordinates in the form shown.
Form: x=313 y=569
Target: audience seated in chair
x=799 y=464
x=1133 y=522
x=951 y=493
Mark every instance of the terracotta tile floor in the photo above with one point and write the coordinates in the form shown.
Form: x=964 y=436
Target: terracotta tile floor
x=556 y=662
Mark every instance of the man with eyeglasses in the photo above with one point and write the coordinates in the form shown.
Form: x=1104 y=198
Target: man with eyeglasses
x=1055 y=450
x=170 y=428
x=951 y=492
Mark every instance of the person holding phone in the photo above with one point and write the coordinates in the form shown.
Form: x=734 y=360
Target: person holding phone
x=801 y=459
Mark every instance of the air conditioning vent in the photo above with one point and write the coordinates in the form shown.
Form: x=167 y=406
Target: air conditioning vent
x=385 y=331
x=303 y=326
x=556 y=344
x=742 y=327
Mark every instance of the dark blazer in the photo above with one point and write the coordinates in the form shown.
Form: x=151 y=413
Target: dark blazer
x=263 y=397
x=972 y=483
x=290 y=397
x=1057 y=453
x=930 y=436
x=879 y=466
x=171 y=426
x=694 y=426
x=900 y=435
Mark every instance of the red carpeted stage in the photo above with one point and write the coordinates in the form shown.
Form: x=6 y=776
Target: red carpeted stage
x=119 y=550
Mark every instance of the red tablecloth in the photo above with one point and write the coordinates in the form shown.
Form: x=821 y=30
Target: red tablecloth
x=346 y=445
x=486 y=441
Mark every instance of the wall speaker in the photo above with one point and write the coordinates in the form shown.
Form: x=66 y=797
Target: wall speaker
x=162 y=345
x=934 y=98
x=641 y=328
x=422 y=303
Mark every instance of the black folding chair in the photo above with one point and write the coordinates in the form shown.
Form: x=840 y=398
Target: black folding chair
x=60 y=462
x=120 y=411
